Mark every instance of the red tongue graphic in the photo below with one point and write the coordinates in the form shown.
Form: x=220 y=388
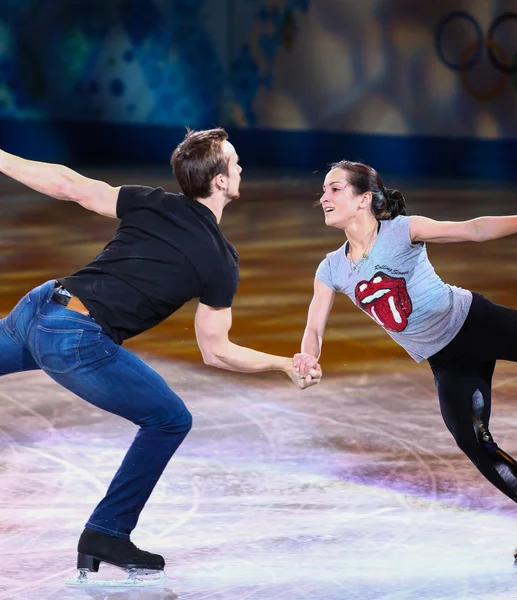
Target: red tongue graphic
x=386 y=300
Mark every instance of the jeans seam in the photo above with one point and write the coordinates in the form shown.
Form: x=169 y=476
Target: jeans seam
x=18 y=315
x=49 y=298
x=84 y=322
x=110 y=531
x=101 y=361
x=104 y=347
x=11 y=337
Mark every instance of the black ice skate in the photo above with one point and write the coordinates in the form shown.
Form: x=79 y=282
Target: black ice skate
x=95 y=547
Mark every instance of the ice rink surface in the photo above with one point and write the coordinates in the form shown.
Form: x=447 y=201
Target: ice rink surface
x=351 y=490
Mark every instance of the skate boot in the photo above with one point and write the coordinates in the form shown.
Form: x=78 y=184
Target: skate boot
x=95 y=547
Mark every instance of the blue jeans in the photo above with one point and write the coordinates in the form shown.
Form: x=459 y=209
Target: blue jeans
x=76 y=353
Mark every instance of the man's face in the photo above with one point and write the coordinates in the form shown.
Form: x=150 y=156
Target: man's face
x=234 y=171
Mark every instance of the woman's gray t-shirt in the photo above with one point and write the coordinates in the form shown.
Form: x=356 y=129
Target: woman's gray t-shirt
x=398 y=288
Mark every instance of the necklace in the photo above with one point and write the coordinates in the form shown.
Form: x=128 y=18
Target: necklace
x=356 y=264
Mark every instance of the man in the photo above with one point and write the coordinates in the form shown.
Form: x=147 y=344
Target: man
x=167 y=250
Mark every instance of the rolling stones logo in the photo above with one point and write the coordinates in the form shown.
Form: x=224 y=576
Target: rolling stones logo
x=386 y=300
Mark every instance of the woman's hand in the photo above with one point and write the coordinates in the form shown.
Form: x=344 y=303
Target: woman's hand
x=307 y=367
x=303 y=363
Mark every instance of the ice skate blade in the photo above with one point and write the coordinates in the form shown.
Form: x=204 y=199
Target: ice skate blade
x=130 y=582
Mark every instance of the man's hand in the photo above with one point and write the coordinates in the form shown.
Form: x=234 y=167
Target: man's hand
x=309 y=376
x=304 y=382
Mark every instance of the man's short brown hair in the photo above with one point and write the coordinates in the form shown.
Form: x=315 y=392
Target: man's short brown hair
x=198 y=159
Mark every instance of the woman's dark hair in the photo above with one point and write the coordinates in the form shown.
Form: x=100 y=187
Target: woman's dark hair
x=198 y=159
x=386 y=203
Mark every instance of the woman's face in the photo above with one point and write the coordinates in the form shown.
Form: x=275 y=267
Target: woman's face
x=339 y=202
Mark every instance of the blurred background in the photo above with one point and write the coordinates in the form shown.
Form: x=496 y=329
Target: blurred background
x=415 y=87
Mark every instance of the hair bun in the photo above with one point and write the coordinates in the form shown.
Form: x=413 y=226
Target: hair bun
x=396 y=201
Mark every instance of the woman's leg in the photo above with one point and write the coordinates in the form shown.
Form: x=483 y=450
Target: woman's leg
x=490 y=332
x=464 y=391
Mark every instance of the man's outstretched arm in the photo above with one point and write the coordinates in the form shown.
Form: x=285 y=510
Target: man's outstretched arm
x=212 y=328
x=61 y=183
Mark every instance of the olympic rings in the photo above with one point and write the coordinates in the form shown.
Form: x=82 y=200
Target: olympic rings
x=510 y=69
x=490 y=94
x=471 y=55
x=439 y=35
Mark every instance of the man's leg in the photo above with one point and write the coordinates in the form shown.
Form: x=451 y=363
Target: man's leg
x=13 y=357
x=75 y=352
x=126 y=386
x=164 y=423
x=14 y=354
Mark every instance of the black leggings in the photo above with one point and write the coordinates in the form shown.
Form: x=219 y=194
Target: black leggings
x=463 y=376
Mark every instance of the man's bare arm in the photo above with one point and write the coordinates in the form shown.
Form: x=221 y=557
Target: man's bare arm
x=212 y=328
x=61 y=183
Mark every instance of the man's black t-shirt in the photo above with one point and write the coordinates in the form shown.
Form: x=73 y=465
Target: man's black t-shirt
x=167 y=250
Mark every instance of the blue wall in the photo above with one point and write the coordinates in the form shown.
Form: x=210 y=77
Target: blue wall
x=416 y=156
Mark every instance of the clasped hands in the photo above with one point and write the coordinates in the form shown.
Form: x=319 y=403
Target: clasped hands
x=306 y=371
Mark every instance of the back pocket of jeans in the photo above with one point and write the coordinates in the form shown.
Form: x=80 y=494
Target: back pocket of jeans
x=57 y=350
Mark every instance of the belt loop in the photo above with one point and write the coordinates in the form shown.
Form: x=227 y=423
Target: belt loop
x=49 y=297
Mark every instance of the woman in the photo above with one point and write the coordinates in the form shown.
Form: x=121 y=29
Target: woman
x=383 y=267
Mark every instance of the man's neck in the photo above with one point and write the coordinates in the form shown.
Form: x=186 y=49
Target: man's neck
x=215 y=203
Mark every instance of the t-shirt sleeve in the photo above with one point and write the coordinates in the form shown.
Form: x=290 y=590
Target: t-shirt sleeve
x=220 y=289
x=131 y=197
x=401 y=231
x=324 y=274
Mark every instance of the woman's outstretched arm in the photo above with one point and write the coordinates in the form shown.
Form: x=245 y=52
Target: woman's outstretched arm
x=423 y=229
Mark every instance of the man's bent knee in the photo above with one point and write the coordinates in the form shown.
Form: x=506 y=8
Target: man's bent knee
x=177 y=422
